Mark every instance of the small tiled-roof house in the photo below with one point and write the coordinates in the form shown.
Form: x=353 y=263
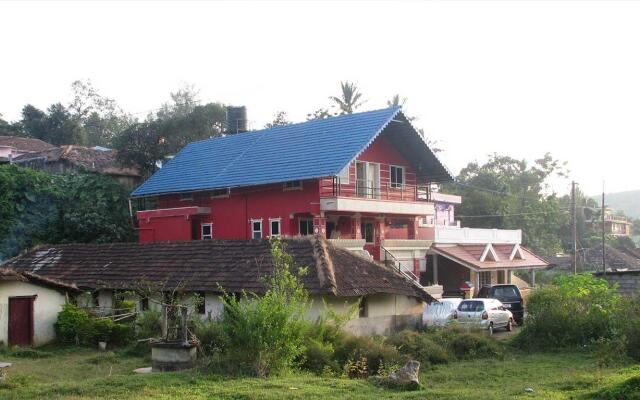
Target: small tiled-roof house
x=335 y=275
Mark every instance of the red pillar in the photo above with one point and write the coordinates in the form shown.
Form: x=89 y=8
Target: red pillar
x=320 y=226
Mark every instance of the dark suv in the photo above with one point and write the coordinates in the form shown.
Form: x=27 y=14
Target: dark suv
x=509 y=295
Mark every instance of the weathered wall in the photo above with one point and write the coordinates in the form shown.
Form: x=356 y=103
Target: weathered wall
x=628 y=281
x=48 y=303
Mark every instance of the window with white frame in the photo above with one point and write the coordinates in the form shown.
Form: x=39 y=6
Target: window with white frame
x=397 y=176
x=343 y=175
x=293 y=185
x=306 y=227
x=256 y=229
x=426 y=221
x=206 y=231
x=274 y=226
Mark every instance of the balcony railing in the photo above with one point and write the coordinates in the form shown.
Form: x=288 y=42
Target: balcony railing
x=369 y=189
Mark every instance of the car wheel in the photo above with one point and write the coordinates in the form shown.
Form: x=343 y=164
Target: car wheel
x=491 y=328
x=510 y=325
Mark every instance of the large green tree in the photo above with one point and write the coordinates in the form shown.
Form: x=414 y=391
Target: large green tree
x=36 y=208
x=56 y=125
x=506 y=193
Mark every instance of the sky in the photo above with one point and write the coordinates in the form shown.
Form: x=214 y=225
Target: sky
x=514 y=78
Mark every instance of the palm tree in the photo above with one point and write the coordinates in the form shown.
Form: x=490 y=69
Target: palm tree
x=396 y=101
x=349 y=99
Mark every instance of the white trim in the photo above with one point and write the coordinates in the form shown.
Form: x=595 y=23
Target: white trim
x=252 y=221
x=489 y=251
x=342 y=179
x=210 y=236
x=285 y=188
x=368 y=205
x=279 y=221
x=517 y=251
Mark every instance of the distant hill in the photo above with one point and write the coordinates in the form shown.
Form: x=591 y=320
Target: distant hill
x=627 y=202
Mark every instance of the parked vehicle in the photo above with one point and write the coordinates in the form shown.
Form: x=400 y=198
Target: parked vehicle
x=510 y=297
x=440 y=313
x=487 y=314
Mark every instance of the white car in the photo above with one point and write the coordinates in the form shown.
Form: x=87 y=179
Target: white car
x=440 y=313
x=487 y=314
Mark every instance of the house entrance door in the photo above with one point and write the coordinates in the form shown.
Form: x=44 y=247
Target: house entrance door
x=21 y=321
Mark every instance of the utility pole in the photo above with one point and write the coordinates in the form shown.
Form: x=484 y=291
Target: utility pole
x=604 y=264
x=574 y=255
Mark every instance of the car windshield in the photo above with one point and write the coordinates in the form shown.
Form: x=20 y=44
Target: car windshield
x=471 y=306
x=505 y=292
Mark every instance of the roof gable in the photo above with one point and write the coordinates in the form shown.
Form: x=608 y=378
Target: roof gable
x=307 y=150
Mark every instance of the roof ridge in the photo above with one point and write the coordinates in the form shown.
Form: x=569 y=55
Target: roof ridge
x=324 y=265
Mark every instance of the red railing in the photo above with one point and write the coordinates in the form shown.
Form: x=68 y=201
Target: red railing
x=368 y=189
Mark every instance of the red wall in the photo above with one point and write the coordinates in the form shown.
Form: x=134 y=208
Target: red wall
x=231 y=215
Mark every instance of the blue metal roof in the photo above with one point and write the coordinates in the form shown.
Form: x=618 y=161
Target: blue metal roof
x=306 y=150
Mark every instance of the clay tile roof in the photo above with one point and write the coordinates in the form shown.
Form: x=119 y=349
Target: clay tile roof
x=23 y=144
x=100 y=161
x=234 y=265
x=7 y=274
x=469 y=255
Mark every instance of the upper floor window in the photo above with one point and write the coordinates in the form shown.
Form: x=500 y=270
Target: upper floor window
x=306 y=227
x=186 y=196
x=206 y=231
x=293 y=185
x=220 y=192
x=343 y=175
x=397 y=176
x=274 y=226
x=256 y=229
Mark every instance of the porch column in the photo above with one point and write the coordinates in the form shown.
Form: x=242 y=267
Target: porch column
x=413 y=228
x=435 y=269
x=508 y=272
x=533 y=278
x=355 y=227
x=380 y=231
x=320 y=226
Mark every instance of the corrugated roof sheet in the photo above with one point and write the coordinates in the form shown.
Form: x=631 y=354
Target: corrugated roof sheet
x=469 y=254
x=307 y=150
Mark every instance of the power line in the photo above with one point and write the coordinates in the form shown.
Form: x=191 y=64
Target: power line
x=561 y=210
x=494 y=191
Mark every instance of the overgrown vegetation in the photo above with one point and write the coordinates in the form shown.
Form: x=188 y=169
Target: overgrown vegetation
x=581 y=310
x=37 y=208
x=75 y=325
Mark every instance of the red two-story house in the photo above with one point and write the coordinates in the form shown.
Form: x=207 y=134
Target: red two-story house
x=363 y=180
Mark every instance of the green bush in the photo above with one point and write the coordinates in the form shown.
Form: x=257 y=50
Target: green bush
x=374 y=350
x=75 y=325
x=574 y=310
x=420 y=346
x=148 y=324
x=266 y=333
x=319 y=356
x=211 y=335
x=467 y=345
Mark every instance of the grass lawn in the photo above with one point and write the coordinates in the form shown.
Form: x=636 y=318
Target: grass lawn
x=72 y=373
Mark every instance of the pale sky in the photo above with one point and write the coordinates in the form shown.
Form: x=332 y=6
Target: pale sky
x=517 y=78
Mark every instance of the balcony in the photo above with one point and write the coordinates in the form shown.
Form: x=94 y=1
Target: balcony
x=454 y=234
x=374 y=197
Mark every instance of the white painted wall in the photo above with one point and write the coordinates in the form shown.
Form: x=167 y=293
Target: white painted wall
x=47 y=305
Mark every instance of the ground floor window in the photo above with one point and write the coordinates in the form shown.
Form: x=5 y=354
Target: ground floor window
x=206 y=231
x=256 y=228
x=485 y=278
x=274 y=227
x=306 y=227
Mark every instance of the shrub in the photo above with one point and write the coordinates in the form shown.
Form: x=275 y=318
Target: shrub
x=575 y=310
x=319 y=356
x=74 y=325
x=468 y=345
x=266 y=333
x=148 y=324
x=373 y=349
x=419 y=346
x=211 y=335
